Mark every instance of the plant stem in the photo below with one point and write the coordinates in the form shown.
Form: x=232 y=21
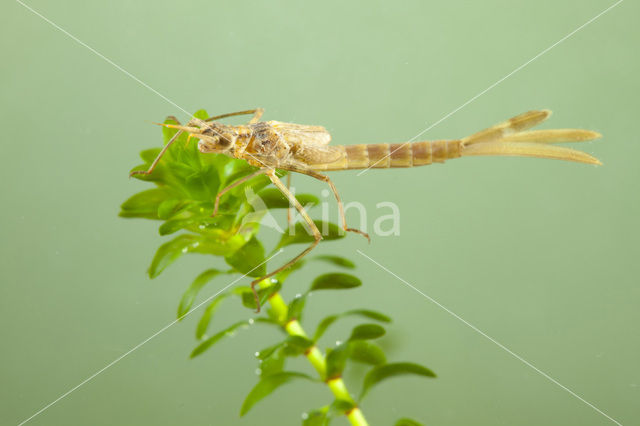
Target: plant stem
x=317 y=359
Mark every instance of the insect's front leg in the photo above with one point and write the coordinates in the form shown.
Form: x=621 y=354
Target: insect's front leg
x=312 y=226
x=233 y=185
x=165 y=148
x=257 y=113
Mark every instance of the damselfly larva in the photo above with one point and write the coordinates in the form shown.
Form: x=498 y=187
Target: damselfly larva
x=305 y=149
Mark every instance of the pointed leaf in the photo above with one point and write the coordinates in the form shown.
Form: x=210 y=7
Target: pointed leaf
x=216 y=337
x=205 y=320
x=201 y=114
x=190 y=295
x=144 y=204
x=296 y=345
x=383 y=372
x=336 y=260
x=300 y=235
x=407 y=422
x=267 y=385
x=274 y=199
x=296 y=307
x=324 y=325
x=248 y=299
x=335 y=281
x=367 y=332
x=249 y=259
x=326 y=322
x=316 y=417
x=366 y=352
x=336 y=360
x=148 y=155
x=170 y=251
x=170 y=207
x=340 y=406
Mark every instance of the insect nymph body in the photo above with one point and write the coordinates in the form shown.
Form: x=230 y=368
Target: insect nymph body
x=305 y=149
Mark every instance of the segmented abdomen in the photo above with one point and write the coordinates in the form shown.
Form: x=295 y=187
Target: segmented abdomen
x=386 y=155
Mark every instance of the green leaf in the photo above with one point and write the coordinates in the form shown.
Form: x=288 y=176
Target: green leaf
x=326 y=322
x=148 y=155
x=407 y=422
x=272 y=365
x=283 y=275
x=324 y=325
x=274 y=199
x=190 y=295
x=366 y=352
x=296 y=306
x=249 y=259
x=271 y=359
x=330 y=231
x=336 y=360
x=267 y=385
x=367 y=332
x=269 y=351
x=169 y=208
x=144 y=204
x=335 y=281
x=383 y=372
x=202 y=347
x=316 y=417
x=248 y=299
x=174 y=225
x=340 y=406
x=336 y=260
x=296 y=345
x=170 y=251
x=201 y=114
x=205 y=320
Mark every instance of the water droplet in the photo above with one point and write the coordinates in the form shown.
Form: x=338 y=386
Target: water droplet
x=257 y=354
x=274 y=281
x=305 y=416
x=258 y=371
x=338 y=342
x=201 y=226
x=298 y=295
x=186 y=249
x=251 y=321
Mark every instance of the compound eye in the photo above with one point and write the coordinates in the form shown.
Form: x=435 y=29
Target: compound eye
x=224 y=142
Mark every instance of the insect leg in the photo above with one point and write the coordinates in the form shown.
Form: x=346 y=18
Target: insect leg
x=164 y=150
x=256 y=116
x=233 y=185
x=257 y=111
x=314 y=229
x=289 y=208
x=326 y=179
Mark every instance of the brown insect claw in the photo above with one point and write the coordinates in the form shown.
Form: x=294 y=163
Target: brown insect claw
x=139 y=172
x=357 y=231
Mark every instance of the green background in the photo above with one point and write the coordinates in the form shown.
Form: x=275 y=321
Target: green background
x=540 y=255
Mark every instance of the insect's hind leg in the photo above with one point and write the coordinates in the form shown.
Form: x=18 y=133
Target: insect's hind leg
x=314 y=230
x=326 y=179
